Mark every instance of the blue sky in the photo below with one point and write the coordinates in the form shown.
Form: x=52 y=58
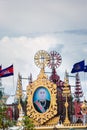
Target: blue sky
x=32 y=25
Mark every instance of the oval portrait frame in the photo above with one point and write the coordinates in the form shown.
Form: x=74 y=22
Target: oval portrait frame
x=41 y=118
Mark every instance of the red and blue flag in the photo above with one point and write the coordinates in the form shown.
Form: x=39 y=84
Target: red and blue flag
x=6 y=72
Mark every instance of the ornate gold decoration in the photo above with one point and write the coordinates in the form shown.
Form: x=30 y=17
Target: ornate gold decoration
x=66 y=93
x=41 y=118
x=42 y=58
x=53 y=121
x=19 y=88
x=19 y=97
x=84 y=107
x=21 y=115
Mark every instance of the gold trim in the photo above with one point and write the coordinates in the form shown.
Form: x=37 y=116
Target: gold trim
x=41 y=118
x=41 y=59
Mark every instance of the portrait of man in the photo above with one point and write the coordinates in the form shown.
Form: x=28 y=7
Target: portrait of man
x=41 y=99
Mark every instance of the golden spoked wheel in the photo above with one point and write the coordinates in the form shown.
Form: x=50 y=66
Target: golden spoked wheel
x=41 y=59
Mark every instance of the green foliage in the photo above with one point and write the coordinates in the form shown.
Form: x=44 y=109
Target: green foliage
x=28 y=123
x=2 y=115
x=5 y=121
x=12 y=123
x=1 y=94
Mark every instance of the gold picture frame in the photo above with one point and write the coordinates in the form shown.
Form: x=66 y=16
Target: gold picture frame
x=41 y=117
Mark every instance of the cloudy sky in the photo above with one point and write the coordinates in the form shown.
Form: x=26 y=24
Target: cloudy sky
x=27 y=26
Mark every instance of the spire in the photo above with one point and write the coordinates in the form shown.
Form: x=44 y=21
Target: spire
x=19 y=96
x=78 y=89
x=19 y=87
x=54 y=77
x=66 y=76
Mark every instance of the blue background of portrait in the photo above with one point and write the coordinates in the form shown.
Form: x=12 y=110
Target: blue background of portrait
x=36 y=97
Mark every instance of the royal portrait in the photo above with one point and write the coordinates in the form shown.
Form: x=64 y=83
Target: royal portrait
x=41 y=99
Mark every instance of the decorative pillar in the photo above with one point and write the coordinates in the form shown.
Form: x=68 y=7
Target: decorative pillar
x=66 y=93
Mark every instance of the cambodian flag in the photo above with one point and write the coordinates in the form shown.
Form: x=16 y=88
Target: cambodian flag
x=6 y=72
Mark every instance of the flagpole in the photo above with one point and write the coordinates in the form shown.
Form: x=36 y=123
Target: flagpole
x=13 y=83
x=85 y=82
x=84 y=79
x=13 y=80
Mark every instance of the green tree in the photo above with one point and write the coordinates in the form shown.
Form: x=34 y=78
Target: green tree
x=5 y=121
x=28 y=123
x=2 y=115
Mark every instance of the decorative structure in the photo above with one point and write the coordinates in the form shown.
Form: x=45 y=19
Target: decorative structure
x=77 y=103
x=55 y=60
x=43 y=94
x=19 y=97
x=19 y=89
x=54 y=63
x=48 y=98
x=84 y=107
x=66 y=93
x=78 y=90
x=42 y=59
x=21 y=115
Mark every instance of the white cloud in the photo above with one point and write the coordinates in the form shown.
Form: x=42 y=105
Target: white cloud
x=27 y=27
x=20 y=17
x=20 y=51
